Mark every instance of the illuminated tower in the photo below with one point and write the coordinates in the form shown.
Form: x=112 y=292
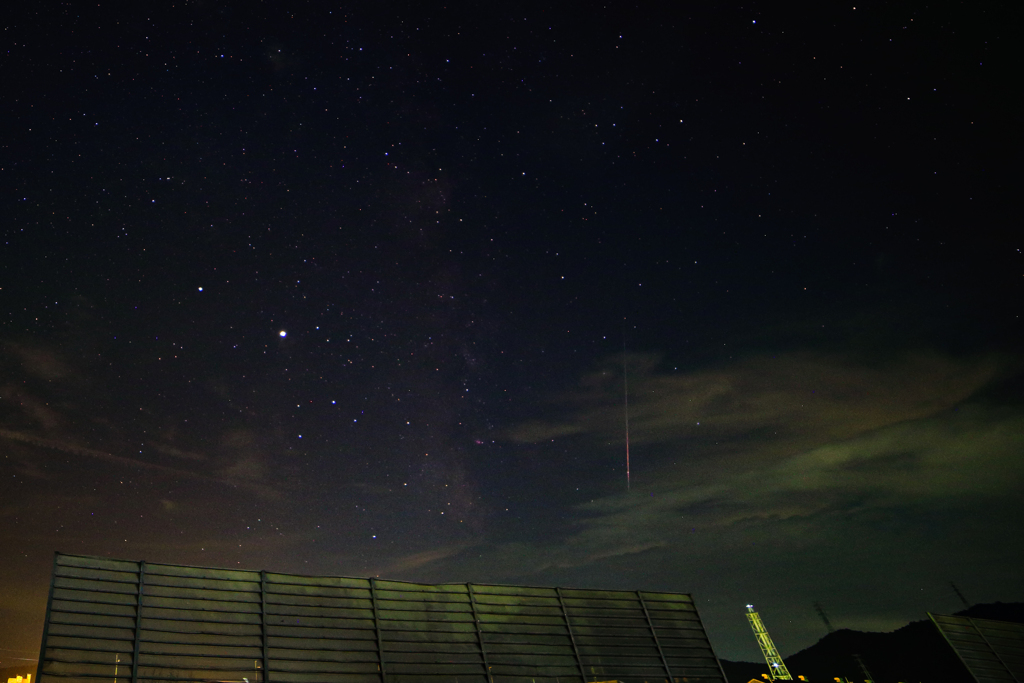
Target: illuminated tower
x=777 y=668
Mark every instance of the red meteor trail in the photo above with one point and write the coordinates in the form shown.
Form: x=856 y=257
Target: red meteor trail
x=625 y=391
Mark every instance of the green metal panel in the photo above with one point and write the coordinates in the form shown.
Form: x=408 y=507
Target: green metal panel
x=993 y=651
x=109 y=619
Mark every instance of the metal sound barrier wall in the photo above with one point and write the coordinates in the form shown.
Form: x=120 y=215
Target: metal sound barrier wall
x=135 y=622
x=993 y=651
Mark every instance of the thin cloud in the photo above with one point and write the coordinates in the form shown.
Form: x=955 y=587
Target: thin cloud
x=784 y=444
x=241 y=474
x=167 y=449
x=797 y=396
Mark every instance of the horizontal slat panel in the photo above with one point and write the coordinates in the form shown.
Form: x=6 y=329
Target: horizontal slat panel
x=601 y=640
x=60 y=668
x=496 y=640
x=696 y=650
x=517 y=610
x=533 y=659
x=618 y=622
x=96 y=585
x=689 y=663
x=188 y=593
x=325 y=591
x=651 y=596
x=198 y=675
x=149 y=601
x=318 y=601
x=632 y=604
x=480 y=590
x=278 y=580
x=103 y=644
x=591 y=652
x=514 y=670
x=521 y=619
x=625 y=663
x=688 y=614
x=297 y=677
x=327 y=667
x=99 y=657
x=680 y=623
x=201 y=573
x=423 y=598
x=706 y=673
x=313 y=611
x=615 y=632
x=155 y=613
x=326 y=622
x=484 y=600
x=460 y=605
x=429 y=626
x=92 y=608
x=439 y=657
x=293 y=630
x=596 y=612
x=367 y=641
x=424 y=616
x=188 y=626
x=251 y=652
x=71 y=594
x=547 y=647
x=98 y=574
x=466 y=636
x=431 y=647
x=446 y=669
x=283 y=655
x=201 y=583
x=57 y=617
x=203 y=624
x=195 y=662
x=190 y=676
x=390 y=589
x=80 y=631
x=73 y=679
x=96 y=563
x=680 y=638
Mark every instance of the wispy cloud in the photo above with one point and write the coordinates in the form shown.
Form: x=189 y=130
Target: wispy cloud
x=798 y=396
x=779 y=443
x=35 y=383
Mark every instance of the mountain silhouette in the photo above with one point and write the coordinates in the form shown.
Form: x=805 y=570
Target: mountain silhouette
x=915 y=653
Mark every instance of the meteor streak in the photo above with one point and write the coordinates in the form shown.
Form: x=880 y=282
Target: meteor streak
x=625 y=391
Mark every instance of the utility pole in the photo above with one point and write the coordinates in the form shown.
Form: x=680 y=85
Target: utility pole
x=776 y=666
x=868 y=678
x=821 y=613
x=960 y=595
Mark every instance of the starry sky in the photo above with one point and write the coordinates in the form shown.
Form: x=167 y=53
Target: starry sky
x=365 y=290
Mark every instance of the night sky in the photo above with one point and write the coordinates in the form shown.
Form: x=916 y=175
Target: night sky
x=363 y=290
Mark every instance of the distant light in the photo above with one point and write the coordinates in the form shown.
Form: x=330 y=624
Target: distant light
x=282 y=333
x=200 y=289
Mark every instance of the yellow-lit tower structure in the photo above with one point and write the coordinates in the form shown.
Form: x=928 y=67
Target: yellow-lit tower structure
x=778 y=669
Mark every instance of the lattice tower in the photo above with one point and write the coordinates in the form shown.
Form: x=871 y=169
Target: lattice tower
x=778 y=669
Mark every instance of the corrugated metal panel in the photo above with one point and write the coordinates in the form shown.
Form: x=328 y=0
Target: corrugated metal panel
x=136 y=622
x=993 y=651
